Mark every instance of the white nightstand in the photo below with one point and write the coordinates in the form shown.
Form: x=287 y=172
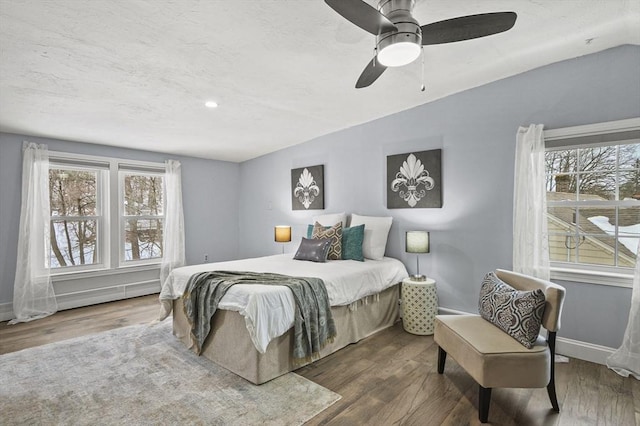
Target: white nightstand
x=419 y=305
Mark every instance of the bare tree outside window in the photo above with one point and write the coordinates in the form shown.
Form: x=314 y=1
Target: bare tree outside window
x=73 y=196
x=595 y=171
x=143 y=216
x=104 y=213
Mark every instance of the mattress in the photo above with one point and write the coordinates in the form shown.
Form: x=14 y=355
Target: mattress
x=268 y=311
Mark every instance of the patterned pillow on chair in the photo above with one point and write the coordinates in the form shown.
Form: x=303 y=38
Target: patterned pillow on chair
x=335 y=234
x=517 y=313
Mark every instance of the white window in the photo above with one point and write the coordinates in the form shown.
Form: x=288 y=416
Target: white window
x=77 y=192
x=593 y=201
x=142 y=216
x=105 y=213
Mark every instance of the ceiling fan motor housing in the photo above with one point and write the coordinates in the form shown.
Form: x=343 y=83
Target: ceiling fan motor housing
x=397 y=48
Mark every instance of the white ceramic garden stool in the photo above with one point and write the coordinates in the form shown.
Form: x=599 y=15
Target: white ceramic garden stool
x=419 y=306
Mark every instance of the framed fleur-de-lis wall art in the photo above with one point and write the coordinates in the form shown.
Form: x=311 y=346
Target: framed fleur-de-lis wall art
x=307 y=188
x=414 y=180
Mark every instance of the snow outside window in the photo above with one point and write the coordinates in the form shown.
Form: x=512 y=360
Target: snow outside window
x=77 y=237
x=593 y=202
x=106 y=213
x=142 y=219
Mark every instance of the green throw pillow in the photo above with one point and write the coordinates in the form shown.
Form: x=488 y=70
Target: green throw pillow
x=352 y=243
x=310 y=230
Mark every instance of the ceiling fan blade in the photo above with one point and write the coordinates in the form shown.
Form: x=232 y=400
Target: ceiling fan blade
x=362 y=15
x=372 y=71
x=467 y=27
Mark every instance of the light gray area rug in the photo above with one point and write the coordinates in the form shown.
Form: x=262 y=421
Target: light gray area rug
x=141 y=375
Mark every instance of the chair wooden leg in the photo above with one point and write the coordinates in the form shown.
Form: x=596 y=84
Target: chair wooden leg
x=551 y=387
x=442 y=357
x=484 y=401
x=551 y=390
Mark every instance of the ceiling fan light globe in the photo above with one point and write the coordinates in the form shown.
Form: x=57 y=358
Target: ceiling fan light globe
x=398 y=54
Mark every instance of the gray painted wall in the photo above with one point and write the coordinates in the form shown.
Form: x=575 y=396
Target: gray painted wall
x=230 y=209
x=210 y=200
x=476 y=129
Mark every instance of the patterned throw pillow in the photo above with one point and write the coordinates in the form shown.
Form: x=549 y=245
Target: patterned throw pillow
x=517 y=313
x=334 y=234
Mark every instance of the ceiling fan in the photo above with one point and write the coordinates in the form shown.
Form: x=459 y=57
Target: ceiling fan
x=399 y=37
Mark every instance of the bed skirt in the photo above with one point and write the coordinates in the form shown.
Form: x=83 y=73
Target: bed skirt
x=230 y=346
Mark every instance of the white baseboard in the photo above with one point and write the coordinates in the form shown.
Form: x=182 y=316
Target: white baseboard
x=6 y=311
x=94 y=296
x=447 y=311
x=583 y=350
x=564 y=346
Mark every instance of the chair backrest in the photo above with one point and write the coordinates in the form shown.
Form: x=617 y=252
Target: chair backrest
x=554 y=295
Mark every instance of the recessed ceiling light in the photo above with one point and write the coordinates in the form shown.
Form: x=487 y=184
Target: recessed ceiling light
x=211 y=104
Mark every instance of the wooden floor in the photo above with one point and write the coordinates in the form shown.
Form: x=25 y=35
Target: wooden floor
x=390 y=378
x=78 y=322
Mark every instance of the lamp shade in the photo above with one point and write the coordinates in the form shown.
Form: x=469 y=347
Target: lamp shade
x=282 y=234
x=417 y=242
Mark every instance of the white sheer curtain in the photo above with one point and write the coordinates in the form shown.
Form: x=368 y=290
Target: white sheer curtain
x=173 y=250
x=33 y=295
x=626 y=360
x=530 y=236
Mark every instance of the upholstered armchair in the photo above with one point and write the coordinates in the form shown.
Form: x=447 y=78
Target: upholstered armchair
x=494 y=358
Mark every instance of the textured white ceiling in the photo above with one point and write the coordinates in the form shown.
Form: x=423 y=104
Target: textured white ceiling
x=136 y=73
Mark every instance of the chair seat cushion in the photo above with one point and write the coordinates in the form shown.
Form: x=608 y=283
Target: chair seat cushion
x=489 y=355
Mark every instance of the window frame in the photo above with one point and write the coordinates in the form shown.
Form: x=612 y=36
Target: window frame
x=109 y=189
x=100 y=168
x=600 y=134
x=122 y=218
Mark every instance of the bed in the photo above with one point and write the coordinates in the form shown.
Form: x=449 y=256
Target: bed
x=251 y=333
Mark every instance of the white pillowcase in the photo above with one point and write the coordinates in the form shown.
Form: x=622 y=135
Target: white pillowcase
x=331 y=219
x=376 y=231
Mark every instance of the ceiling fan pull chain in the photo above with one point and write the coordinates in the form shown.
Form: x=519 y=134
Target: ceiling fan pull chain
x=422 y=88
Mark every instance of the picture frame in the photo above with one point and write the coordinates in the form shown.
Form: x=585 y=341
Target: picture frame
x=414 y=180
x=307 y=188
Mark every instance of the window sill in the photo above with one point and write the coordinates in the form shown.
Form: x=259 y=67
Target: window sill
x=592 y=277
x=77 y=275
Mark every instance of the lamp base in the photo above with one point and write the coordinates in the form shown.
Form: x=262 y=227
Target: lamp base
x=418 y=277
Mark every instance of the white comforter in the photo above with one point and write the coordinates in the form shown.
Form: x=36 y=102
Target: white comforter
x=269 y=310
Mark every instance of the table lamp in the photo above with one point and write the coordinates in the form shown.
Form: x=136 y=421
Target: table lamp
x=417 y=242
x=282 y=235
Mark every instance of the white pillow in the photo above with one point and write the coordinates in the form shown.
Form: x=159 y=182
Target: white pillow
x=331 y=219
x=376 y=231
